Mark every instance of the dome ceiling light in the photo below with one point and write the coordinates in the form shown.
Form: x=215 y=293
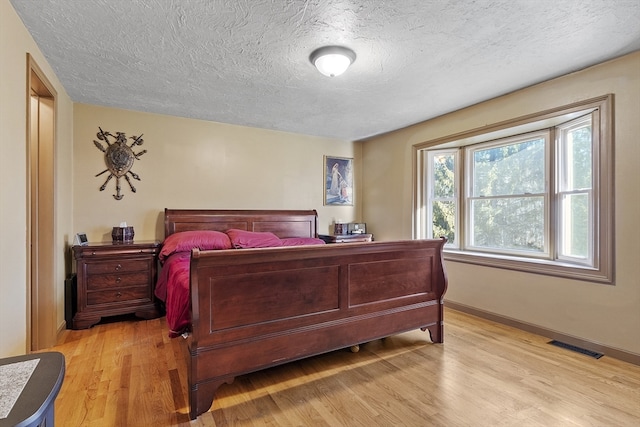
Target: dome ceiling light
x=332 y=60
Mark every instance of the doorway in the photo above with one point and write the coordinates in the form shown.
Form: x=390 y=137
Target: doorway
x=41 y=312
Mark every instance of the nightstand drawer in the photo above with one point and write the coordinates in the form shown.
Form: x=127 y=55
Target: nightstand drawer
x=106 y=281
x=139 y=293
x=117 y=266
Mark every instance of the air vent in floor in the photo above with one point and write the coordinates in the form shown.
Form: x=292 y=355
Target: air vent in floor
x=576 y=349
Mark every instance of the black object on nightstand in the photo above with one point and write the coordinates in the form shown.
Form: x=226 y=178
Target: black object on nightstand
x=346 y=238
x=115 y=279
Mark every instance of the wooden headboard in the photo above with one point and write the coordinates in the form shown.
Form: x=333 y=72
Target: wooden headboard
x=282 y=223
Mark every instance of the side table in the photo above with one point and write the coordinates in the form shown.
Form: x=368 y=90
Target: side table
x=35 y=404
x=115 y=279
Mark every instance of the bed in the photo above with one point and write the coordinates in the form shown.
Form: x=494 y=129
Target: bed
x=256 y=307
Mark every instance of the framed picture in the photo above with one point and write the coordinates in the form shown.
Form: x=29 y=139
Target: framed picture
x=338 y=181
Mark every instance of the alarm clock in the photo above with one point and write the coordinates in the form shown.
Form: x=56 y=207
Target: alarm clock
x=80 y=239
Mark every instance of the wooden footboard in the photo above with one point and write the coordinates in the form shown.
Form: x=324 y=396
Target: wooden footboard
x=257 y=308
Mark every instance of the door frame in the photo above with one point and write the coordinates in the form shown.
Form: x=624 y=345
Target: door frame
x=41 y=177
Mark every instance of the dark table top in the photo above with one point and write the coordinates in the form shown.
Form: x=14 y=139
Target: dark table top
x=40 y=391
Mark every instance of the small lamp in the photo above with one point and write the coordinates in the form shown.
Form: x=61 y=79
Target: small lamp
x=332 y=60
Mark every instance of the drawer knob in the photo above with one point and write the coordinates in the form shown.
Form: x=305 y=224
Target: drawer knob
x=118 y=294
x=118 y=280
x=118 y=267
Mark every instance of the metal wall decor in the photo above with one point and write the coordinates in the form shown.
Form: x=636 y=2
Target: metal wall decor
x=119 y=158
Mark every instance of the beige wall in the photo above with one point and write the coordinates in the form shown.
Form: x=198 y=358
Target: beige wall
x=609 y=315
x=189 y=164
x=15 y=43
x=197 y=164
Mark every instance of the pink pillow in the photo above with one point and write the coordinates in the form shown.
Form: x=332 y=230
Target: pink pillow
x=299 y=241
x=241 y=239
x=184 y=241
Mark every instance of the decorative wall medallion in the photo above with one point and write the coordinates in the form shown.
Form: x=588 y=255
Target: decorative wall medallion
x=119 y=158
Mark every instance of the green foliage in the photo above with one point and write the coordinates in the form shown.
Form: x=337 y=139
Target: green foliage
x=507 y=177
x=444 y=187
x=509 y=194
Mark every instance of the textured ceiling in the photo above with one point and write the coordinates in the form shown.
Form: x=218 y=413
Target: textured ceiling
x=246 y=62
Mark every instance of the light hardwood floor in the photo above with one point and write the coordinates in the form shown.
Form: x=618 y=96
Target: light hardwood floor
x=129 y=373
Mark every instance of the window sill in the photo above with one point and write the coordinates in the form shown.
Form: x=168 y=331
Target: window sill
x=536 y=266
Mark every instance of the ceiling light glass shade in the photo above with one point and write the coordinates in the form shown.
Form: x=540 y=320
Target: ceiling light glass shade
x=332 y=60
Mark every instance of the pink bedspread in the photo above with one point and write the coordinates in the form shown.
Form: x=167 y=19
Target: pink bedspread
x=173 y=288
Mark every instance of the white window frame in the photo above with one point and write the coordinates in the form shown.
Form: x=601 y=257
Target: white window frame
x=430 y=154
x=598 y=269
x=469 y=196
x=561 y=190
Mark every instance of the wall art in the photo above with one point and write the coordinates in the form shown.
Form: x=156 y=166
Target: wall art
x=119 y=158
x=338 y=181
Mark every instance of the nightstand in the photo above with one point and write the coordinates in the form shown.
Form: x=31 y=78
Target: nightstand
x=115 y=279
x=346 y=238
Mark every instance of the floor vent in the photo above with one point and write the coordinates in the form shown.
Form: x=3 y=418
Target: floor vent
x=576 y=349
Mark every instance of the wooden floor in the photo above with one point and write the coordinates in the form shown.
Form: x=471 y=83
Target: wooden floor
x=129 y=373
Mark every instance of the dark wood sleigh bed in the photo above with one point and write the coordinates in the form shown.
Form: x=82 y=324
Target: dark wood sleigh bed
x=256 y=308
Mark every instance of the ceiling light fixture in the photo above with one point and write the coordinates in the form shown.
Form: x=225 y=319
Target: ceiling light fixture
x=332 y=60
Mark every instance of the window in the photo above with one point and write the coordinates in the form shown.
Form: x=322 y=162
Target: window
x=442 y=211
x=508 y=196
x=532 y=194
x=575 y=191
